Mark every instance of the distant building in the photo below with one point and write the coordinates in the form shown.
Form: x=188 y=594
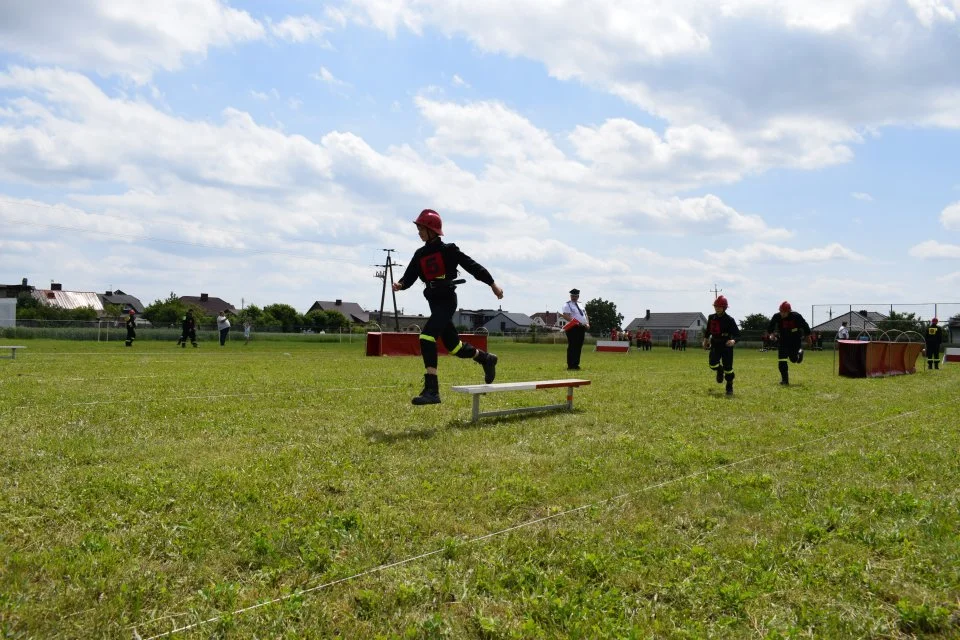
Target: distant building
x=122 y=300
x=548 y=320
x=55 y=296
x=8 y=312
x=506 y=322
x=350 y=310
x=14 y=290
x=211 y=306
x=857 y=321
x=473 y=319
x=662 y=325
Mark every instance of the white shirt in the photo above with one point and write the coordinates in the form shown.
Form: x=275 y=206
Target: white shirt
x=222 y=322
x=843 y=333
x=579 y=314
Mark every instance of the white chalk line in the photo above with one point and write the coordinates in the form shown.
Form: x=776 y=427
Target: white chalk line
x=529 y=523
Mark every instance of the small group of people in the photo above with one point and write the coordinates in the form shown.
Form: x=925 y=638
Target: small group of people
x=644 y=339
x=678 y=341
x=188 y=329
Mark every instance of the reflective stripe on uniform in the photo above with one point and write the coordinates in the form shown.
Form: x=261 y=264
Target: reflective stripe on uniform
x=424 y=336
x=457 y=348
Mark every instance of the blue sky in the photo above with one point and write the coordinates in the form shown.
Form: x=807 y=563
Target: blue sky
x=640 y=151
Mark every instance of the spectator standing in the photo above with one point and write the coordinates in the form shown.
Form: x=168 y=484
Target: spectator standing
x=576 y=331
x=223 y=326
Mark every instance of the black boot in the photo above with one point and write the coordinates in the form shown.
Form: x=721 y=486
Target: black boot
x=489 y=363
x=719 y=375
x=800 y=356
x=431 y=391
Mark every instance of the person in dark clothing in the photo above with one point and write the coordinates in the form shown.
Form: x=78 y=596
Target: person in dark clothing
x=720 y=336
x=933 y=340
x=131 y=328
x=792 y=329
x=188 y=329
x=436 y=263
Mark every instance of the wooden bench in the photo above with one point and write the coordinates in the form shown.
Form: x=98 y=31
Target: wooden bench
x=613 y=346
x=13 y=351
x=478 y=390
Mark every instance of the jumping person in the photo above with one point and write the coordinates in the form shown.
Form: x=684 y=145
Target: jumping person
x=188 y=329
x=792 y=329
x=576 y=331
x=436 y=264
x=721 y=335
x=131 y=327
x=933 y=340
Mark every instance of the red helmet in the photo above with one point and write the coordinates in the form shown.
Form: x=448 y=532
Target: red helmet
x=934 y=321
x=132 y=312
x=431 y=220
x=785 y=306
x=720 y=302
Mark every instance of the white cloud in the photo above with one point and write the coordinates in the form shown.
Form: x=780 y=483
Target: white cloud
x=457 y=81
x=264 y=96
x=325 y=76
x=769 y=253
x=950 y=217
x=300 y=29
x=931 y=249
x=859 y=195
x=83 y=34
x=716 y=70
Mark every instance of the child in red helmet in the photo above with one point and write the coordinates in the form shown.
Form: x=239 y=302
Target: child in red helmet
x=933 y=340
x=131 y=327
x=436 y=263
x=720 y=336
x=792 y=329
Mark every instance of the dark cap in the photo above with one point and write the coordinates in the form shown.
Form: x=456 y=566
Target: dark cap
x=574 y=292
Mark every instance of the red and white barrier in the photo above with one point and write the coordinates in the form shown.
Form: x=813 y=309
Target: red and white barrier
x=951 y=355
x=613 y=346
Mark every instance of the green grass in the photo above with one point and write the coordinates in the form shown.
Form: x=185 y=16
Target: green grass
x=155 y=487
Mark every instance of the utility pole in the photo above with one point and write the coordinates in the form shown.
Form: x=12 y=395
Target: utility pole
x=716 y=291
x=387 y=274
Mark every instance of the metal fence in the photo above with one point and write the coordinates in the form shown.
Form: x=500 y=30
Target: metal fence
x=112 y=330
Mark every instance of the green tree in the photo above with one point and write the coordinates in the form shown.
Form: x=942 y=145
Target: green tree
x=900 y=322
x=755 y=322
x=603 y=315
x=336 y=321
x=165 y=312
x=286 y=315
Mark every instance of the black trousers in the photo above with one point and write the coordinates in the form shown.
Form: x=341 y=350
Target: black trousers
x=575 y=338
x=933 y=354
x=131 y=334
x=722 y=357
x=440 y=325
x=223 y=335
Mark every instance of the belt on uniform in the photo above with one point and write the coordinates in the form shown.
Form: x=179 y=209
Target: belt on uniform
x=443 y=284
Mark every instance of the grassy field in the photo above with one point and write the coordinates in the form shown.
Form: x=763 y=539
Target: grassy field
x=144 y=490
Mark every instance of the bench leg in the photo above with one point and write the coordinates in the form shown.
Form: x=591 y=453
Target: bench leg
x=476 y=406
x=569 y=398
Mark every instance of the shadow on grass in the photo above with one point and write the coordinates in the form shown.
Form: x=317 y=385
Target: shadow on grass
x=379 y=436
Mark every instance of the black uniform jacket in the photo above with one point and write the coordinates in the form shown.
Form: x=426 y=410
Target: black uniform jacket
x=720 y=329
x=791 y=329
x=436 y=264
x=934 y=335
